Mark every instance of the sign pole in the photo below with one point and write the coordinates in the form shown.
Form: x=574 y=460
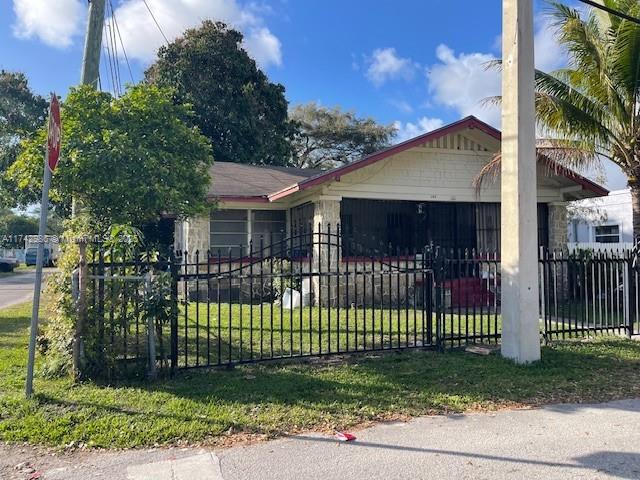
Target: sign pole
x=42 y=229
x=51 y=158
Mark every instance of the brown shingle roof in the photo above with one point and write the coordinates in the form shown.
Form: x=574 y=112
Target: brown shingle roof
x=239 y=180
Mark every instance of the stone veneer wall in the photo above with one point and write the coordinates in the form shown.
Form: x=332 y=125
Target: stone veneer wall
x=197 y=232
x=398 y=285
x=558 y=235
x=326 y=248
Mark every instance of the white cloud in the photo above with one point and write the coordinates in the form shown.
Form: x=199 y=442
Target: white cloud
x=385 y=64
x=463 y=81
x=54 y=23
x=402 y=105
x=142 y=38
x=264 y=47
x=549 y=55
x=408 y=130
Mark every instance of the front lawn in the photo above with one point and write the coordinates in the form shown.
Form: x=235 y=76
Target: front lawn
x=272 y=399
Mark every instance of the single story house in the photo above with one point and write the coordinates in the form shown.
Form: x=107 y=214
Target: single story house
x=602 y=223
x=414 y=193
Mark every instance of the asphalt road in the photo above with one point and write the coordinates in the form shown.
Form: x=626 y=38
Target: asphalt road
x=556 y=442
x=16 y=288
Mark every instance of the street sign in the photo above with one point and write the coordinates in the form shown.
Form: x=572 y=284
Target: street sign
x=50 y=162
x=55 y=129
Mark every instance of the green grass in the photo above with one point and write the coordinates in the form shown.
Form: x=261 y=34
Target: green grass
x=272 y=399
x=263 y=331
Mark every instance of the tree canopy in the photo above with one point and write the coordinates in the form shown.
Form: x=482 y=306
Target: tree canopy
x=127 y=160
x=328 y=137
x=236 y=107
x=591 y=107
x=21 y=114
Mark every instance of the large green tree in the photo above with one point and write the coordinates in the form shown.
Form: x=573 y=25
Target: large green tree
x=329 y=137
x=22 y=112
x=592 y=106
x=126 y=160
x=236 y=106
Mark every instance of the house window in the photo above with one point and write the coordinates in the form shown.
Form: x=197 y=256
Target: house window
x=229 y=232
x=268 y=231
x=607 y=234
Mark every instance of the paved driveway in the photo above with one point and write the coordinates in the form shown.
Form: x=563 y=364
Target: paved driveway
x=556 y=442
x=16 y=288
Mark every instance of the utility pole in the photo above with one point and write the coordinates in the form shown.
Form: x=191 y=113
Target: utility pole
x=519 y=229
x=93 y=44
x=89 y=76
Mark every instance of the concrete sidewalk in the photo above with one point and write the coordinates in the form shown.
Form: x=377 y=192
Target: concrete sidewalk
x=556 y=442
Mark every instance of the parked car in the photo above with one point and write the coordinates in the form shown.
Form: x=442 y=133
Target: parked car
x=31 y=255
x=7 y=264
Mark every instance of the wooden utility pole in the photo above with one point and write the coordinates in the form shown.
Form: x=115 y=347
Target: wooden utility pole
x=93 y=44
x=89 y=76
x=519 y=229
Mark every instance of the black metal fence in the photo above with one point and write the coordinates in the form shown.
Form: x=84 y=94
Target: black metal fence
x=588 y=293
x=279 y=300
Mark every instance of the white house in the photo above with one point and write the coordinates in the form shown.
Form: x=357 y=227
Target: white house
x=602 y=222
x=401 y=198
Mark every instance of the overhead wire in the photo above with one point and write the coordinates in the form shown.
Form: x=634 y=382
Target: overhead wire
x=156 y=21
x=611 y=11
x=124 y=52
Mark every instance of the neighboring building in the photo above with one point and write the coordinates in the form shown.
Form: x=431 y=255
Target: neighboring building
x=603 y=222
x=409 y=195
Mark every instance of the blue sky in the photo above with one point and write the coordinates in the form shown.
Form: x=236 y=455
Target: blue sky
x=417 y=64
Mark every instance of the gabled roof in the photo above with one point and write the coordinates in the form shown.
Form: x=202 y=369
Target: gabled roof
x=315 y=178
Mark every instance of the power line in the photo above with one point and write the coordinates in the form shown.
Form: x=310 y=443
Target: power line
x=124 y=52
x=156 y=21
x=612 y=11
x=114 y=59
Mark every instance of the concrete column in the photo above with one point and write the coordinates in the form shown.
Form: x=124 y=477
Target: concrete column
x=196 y=234
x=326 y=248
x=519 y=256
x=558 y=227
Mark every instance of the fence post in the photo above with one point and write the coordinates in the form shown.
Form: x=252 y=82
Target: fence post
x=542 y=301
x=173 y=265
x=630 y=305
x=151 y=335
x=81 y=310
x=438 y=274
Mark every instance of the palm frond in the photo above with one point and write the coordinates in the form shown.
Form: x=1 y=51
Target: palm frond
x=557 y=156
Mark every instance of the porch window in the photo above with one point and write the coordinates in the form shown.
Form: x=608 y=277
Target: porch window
x=301 y=229
x=488 y=227
x=607 y=234
x=268 y=230
x=232 y=230
x=387 y=227
x=229 y=229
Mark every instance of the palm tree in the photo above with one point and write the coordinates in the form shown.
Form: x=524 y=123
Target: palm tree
x=591 y=109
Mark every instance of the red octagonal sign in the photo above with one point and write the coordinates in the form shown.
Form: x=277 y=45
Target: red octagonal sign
x=53 y=139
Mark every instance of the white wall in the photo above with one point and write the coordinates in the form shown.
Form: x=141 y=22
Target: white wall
x=435 y=172
x=615 y=209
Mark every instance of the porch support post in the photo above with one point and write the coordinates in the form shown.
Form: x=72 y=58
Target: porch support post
x=519 y=256
x=326 y=248
x=196 y=235
x=558 y=227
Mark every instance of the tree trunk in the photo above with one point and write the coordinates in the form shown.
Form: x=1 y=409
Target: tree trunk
x=635 y=206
